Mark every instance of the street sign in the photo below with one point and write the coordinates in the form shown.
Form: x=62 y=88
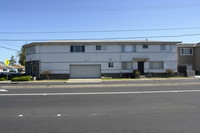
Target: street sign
x=7 y=62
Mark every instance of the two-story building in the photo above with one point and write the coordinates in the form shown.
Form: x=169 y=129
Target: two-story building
x=96 y=58
x=188 y=56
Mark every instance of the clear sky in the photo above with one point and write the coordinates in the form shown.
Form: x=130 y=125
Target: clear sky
x=38 y=20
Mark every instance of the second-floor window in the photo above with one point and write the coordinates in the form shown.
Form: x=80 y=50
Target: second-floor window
x=77 y=48
x=186 y=51
x=100 y=47
x=128 y=48
x=145 y=46
x=30 y=50
x=166 y=47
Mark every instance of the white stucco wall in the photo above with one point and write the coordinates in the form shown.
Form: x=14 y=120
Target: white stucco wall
x=58 y=58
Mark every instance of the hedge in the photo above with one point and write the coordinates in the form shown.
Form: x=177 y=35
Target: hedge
x=22 y=78
x=2 y=79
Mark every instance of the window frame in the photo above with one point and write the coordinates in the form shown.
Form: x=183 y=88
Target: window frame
x=166 y=47
x=125 y=67
x=110 y=64
x=101 y=47
x=181 y=50
x=76 y=48
x=145 y=46
x=153 y=67
x=133 y=48
x=30 y=50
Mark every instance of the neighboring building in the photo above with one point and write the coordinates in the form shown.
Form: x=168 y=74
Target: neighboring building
x=19 y=68
x=189 y=55
x=1 y=68
x=87 y=59
x=9 y=68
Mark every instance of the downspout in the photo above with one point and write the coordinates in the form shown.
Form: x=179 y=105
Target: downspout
x=39 y=60
x=120 y=59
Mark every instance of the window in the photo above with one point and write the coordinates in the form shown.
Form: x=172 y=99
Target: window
x=77 y=48
x=100 y=47
x=127 y=65
x=156 y=65
x=110 y=64
x=30 y=50
x=145 y=46
x=128 y=48
x=186 y=51
x=166 y=47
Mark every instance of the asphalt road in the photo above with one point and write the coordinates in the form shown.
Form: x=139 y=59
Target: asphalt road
x=132 y=109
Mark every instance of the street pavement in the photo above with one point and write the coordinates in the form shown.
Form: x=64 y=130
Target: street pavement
x=167 y=107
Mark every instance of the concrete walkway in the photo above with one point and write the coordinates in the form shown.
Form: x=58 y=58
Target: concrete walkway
x=85 y=80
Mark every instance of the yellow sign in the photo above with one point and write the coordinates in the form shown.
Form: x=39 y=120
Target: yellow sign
x=7 y=62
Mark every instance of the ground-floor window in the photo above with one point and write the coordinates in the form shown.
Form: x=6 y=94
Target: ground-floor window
x=110 y=64
x=156 y=65
x=127 y=65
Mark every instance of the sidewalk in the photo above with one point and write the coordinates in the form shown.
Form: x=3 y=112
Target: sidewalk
x=97 y=80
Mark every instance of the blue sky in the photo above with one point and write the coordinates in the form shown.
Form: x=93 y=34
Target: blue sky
x=36 y=16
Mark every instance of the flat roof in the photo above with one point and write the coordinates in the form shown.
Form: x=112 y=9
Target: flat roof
x=68 y=42
x=184 y=45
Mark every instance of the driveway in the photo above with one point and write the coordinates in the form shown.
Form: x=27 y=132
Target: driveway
x=92 y=80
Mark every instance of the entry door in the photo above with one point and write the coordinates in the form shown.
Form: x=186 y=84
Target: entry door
x=141 y=67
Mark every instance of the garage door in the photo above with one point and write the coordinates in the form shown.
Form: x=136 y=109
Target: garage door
x=85 y=71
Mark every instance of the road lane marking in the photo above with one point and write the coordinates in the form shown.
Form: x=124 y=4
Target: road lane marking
x=58 y=115
x=3 y=90
x=101 y=93
x=21 y=115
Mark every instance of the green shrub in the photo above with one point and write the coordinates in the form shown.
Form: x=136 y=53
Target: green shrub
x=2 y=79
x=170 y=71
x=22 y=78
x=136 y=74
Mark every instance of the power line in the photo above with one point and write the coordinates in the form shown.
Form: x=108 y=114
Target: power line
x=139 y=37
x=8 y=48
x=9 y=44
x=92 y=31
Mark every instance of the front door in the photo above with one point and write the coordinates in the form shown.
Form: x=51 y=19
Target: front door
x=141 y=67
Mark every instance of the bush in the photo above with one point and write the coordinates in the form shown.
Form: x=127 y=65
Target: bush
x=47 y=73
x=170 y=72
x=2 y=79
x=22 y=78
x=136 y=74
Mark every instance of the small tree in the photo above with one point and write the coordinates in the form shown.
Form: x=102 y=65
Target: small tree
x=22 y=56
x=12 y=60
x=46 y=73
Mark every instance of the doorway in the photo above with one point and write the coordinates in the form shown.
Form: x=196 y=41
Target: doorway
x=141 y=67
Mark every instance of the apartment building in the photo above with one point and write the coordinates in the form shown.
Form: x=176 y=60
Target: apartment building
x=96 y=58
x=188 y=56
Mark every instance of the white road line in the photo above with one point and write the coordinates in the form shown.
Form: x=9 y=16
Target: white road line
x=21 y=115
x=101 y=93
x=3 y=90
x=58 y=115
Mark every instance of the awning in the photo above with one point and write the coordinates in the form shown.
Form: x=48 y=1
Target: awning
x=141 y=59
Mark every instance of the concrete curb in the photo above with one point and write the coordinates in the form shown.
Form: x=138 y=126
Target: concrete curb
x=97 y=81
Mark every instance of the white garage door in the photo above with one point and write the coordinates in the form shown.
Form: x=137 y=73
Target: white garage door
x=85 y=71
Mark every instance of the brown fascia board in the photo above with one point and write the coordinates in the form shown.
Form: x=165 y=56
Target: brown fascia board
x=186 y=45
x=197 y=44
